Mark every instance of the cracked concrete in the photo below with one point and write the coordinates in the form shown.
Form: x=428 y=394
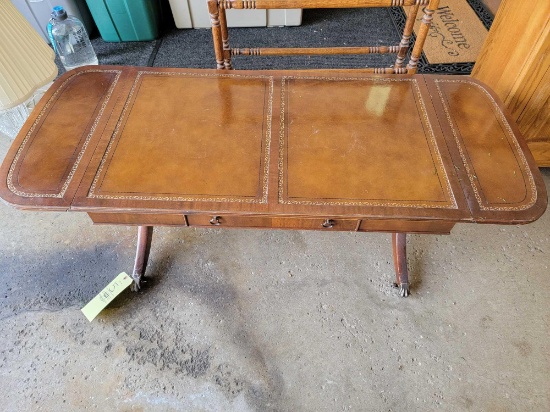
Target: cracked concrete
x=253 y=320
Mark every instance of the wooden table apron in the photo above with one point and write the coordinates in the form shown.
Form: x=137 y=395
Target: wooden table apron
x=267 y=149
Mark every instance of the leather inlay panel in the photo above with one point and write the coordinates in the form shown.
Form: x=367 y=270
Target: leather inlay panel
x=374 y=146
x=59 y=136
x=190 y=137
x=496 y=166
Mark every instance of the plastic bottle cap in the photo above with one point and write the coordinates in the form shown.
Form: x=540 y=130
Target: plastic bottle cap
x=59 y=13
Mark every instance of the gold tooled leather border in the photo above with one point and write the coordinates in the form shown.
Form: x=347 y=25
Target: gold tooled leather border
x=484 y=205
x=267 y=143
x=70 y=176
x=446 y=185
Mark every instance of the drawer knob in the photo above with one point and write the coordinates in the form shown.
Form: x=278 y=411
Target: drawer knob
x=215 y=221
x=328 y=223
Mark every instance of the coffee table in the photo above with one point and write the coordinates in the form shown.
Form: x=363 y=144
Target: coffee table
x=299 y=150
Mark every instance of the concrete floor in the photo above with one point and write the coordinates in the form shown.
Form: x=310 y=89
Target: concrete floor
x=253 y=320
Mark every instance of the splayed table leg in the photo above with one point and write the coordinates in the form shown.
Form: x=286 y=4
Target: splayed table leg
x=399 y=243
x=145 y=236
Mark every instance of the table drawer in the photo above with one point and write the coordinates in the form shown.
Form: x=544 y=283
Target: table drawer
x=315 y=223
x=406 y=226
x=228 y=220
x=273 y=222
x=139 y=219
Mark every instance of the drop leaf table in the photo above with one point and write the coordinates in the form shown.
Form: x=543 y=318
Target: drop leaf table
x=321 y=150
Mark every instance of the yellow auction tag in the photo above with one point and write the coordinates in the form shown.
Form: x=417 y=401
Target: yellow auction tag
x=106 y=296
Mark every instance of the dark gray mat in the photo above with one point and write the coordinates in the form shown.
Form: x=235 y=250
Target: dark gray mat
x=125 y=53
x=320 y=28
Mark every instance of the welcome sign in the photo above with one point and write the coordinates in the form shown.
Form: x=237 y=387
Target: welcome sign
x=456 y=34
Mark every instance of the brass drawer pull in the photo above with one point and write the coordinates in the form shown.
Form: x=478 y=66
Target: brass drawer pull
x=215 y=221
x=328 y=223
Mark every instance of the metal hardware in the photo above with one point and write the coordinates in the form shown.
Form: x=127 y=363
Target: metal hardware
x=328 y=223
x=404 y=289
x=215 y=221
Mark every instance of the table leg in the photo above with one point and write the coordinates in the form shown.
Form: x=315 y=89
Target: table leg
x=145 y=236
x=399 y=243
x=225 y=40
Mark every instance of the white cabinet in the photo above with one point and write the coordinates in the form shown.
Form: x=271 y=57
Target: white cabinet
x=194 y=14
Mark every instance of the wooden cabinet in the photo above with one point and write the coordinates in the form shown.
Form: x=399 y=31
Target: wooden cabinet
x=515 y=63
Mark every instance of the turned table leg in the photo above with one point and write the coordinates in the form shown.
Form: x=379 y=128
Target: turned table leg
x=399 y=243
x=145 y=236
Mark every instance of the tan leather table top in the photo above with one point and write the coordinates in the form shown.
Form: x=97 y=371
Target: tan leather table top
x=149 y=140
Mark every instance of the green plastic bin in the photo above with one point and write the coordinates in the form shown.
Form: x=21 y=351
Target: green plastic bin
x=126 y=20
